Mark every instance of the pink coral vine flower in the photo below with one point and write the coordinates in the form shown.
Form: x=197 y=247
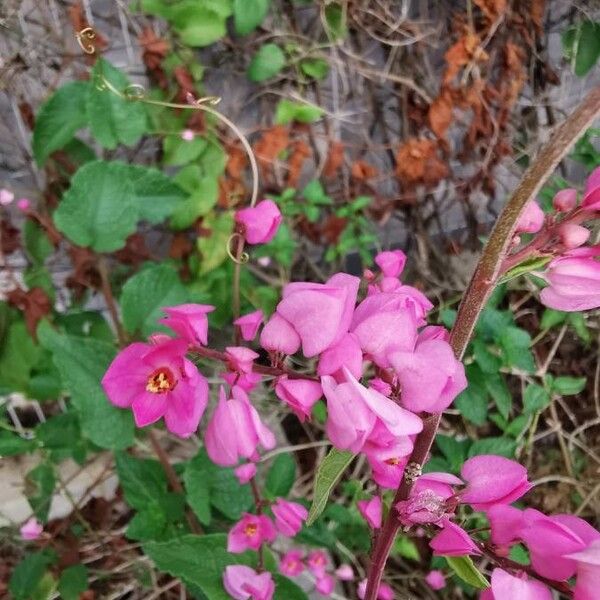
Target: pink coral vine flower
x=243 y=583
x=344 y=572
x=279 y=336
x=371 y=511
x=565 y=200
x=493 y=480
x=235 y=430
x=250 y=532
x=453 y=540
x=31 y=529
x=391 y=262
x=260 y=223
x=157 y=381
x=249 y=324
x=189 y=321
x=291 y=563
x=317 y=562
x=505 y=585
x=325 y=585
x=435 y=580
x=588 y=571
x=385 y=592
x=299 y=394
x=289 y=516
x=531 y=219
x=240 y=359
x=245 y=472
x=591 y=194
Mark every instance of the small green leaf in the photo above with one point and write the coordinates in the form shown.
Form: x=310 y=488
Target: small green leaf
x=12 y=444
x=40 y=483
x=496 y=386
x=37 y=244
x=266 y=63
x=405 y=547
x=58 y=119
x=552 y=318
x=335 y=21
x=535 y=398
x=317 y=68
x=73 y=582
x=328 y=474
x=178 y=151
x=281 y=475
x=199 y=25
x=527 y=266
x=464 y=567
x=286 y=589
x=28 y=574
x=473 y=402
x=214 y=246
x=581 y=45
x=493 y=445
x=454 y=451
x=249 y=14
x=569 y=386
x=288 y=111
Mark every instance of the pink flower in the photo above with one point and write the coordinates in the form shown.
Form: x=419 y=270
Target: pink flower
x=574 y=281
x=506 y=523
x=240 y=358
x=31 y=529
x=344 y=573
x=531 y=219
x=588 y=571
x=320 y=312
x=299 y=394
x=493 y=480
x=289 y=517
x=452 y=540
x=291 y=563
x=158 y=381
x=573 y=236
x=346 y=353
x=245 y=472
x=591 y=195
x=430 y=377
x=243 y=583
x=371 y=511
x=565 y=200
x=249 y=324
x=388 y=462
x=383 y=324
x=235 y=430
x=391 y=262
x=385 y=592
x=250 y=532
x=505 y=586
x=6 y=197
x=435 y=580
x=260 y=222
x=189 y=321
x=245 y=381
x=23 y=204
x=187 y=135
x=317 y=562
x=279 y=336
x=354 y=410
x=325 y=585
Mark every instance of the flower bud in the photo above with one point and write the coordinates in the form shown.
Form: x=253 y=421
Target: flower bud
x=573 y=236
x=565 y=200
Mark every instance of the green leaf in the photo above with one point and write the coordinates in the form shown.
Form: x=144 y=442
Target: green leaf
x=40 y=483
x=473 y=402
x=527 y=266
x=569 y=386
x=454 y=451
x=405 y=547
x=113 y=120
x=58 y=119
x=515 y=344
x=198 y=560
x=335 y=21
x=496 y=386
x=72 y=582
x=577 y=321
x=535 y=398
x=581 y=45
x=249 y=14
x=552 y=318
x=328 y=474
x=286 y=589
x=281 y=475
x=82 y=363
x=37 y=244
x=28 y=574
x=12 y=444
x=203 y=193
x=317 y=68
x=18 y=355
x=493 y=445
x=145 y=295
x=288 y=111
x=178 y=151
x=266 y=63
x=486 y=360
x=464 y=567
x=142 y=480
x=198 y=25
x=214 y=247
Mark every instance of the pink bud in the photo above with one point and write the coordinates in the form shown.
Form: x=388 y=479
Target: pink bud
x=187 y=135
x=565 y=200
x=371 y=511
x=264 y=261
x=325 y=585
x=249 y=324
x=245 y=472
x=260 y=222
x=6 y=197
x=31 y=530
x=573 y=236
x=531 y=219
x=435 y=580
x=23 y=204
x=344 y=573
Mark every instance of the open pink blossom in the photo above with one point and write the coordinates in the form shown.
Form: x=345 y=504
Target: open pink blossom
x=388 y=462
x=6 y=197
x=531 y=219
x=245 y=472
x=346 y=353
x=291 y=563
x=279 y=336
x=453 y=540
x=573 y=281
x=493 y=480
x=31 y=529
x=435 y=580
x=588 y=572
x=573 y=236
x=243 y=583
x=157 y=381
x=354 y=410
x=260 y=222
x=240 y=359
x=245 y=381
x=371 y=511
x=235 y=430
x=317 y=562
x=189 y=321
x=506 y=586
x=391 y=262
x=430 y=376
x=299 y=394
x=565 y=200
x=250 y=532
x=344 y=572
x=385 y=592
x=591 y=194
x=325 y=585
x=249 y=324
x=320 y=313
x=289 y=516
